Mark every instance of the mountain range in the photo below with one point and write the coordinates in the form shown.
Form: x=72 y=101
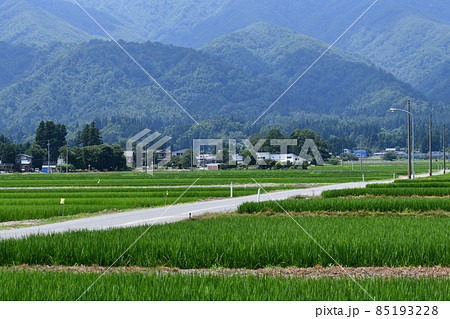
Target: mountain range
x=56 y=62
x=408 y=38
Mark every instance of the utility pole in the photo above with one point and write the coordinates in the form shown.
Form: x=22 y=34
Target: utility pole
x=431 y=145
x=361 y=155
x=67 y=158
x=361 y=161
x=48 y=156
x=443 y=141
x=409 y=139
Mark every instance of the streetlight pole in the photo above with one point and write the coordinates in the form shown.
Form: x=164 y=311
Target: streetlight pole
x=409 y=138
x=361 y=155
x=413 y=147
x=48 y=156
x=410 y=124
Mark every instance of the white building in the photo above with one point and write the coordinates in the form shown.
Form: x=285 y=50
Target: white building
x=239 y=159
x=180 y=152
x=282 y=158
x=204 y=159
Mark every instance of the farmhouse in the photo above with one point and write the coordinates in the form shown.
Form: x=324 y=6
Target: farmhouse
x=24 y=162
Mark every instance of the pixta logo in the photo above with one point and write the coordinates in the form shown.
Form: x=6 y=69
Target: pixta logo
x=309 y=147
x=147 y=151
x=142 y=152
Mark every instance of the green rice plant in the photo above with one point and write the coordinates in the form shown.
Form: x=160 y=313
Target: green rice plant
x=326 y=174
x=411 y=185
x=434 y=179
x=349 y=205
x=246 y=242
x=66 y=286
x=395 y=192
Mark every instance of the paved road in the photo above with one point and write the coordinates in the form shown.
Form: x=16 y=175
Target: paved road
x=162 y=215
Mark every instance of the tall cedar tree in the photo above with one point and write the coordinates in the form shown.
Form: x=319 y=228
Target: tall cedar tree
x=53 y=133
x=89 y=136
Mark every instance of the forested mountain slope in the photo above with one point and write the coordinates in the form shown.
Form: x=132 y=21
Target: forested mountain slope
x=45 y=21
x=408 y=38
x=340 y=83
x=233 y=79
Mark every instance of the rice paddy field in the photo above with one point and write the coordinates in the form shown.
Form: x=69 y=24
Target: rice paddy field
x=325 y=174
x=421 y=195
x=407 y=227
x=390 y=191
x=37 y=196
x=246 y=242
x=24 y=204
x=395 y=205
x=134 y=286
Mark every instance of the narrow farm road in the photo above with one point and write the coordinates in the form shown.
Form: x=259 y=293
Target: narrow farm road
x=162 y=215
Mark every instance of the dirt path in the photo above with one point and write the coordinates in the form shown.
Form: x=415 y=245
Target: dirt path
x=316 y=272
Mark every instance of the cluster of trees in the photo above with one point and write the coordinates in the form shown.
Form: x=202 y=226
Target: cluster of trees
x=7 y=150
x=97 y=157
x=181 y=162
x=89 y=152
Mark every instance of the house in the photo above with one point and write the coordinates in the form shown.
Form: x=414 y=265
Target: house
x=180 y=152
x=24 y=162
x=49 y=168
